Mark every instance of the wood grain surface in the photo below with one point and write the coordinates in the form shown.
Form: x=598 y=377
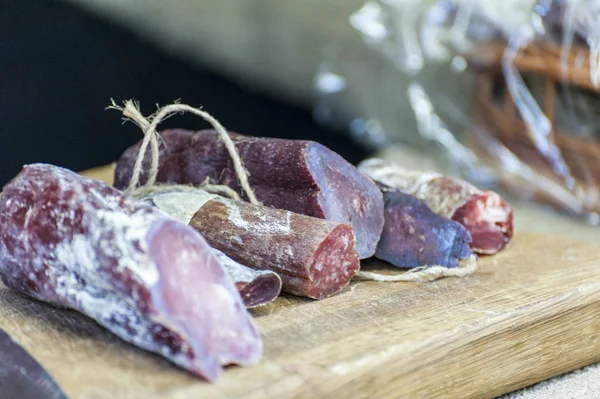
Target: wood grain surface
x=528 y=314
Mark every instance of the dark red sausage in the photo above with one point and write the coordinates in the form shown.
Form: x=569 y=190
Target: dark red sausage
x=300 y=176
x=148 y=278
x=315 y=258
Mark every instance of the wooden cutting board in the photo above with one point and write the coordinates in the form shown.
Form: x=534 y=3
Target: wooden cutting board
x=528 y=314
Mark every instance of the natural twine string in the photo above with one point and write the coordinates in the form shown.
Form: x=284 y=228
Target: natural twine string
x=424 y=274
x=220 y=189
x=224 y=191
x=131 y=111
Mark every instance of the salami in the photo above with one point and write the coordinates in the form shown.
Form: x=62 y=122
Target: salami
x=149 y=279
x=300 y=176
x=415 y=236
x=486 y=216
x=257 y=287
x=315 y=258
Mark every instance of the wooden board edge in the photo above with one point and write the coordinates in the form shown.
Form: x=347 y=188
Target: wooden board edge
x=507 y=353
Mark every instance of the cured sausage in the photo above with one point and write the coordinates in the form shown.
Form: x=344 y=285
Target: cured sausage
x=415 y=236
x=300 y=176
x=486 y=216
x=149 y=279
x=314 y=257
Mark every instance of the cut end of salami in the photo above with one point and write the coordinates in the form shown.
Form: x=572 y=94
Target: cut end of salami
x=152 y=281
x=260 y=291
x=192 y=299
x=333 y=264
x=415 y=236
x=257 y=287
x=489 y=220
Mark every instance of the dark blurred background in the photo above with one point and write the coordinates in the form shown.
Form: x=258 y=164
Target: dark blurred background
x=59 y=67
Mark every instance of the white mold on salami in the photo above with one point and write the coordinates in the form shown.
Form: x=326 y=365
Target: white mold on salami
x=304 y=177
x=148 y=278
x=314 y=257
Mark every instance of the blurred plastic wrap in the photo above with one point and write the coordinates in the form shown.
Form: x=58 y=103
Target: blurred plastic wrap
x=509 y=90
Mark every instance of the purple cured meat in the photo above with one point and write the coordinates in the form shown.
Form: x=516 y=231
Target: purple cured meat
x=300 y=176
x=485 y=215
x=415 y=236
x=151 y=280
x=257 y=287
x=315 y=258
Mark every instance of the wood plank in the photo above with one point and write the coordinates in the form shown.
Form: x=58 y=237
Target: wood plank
x=528 y=314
